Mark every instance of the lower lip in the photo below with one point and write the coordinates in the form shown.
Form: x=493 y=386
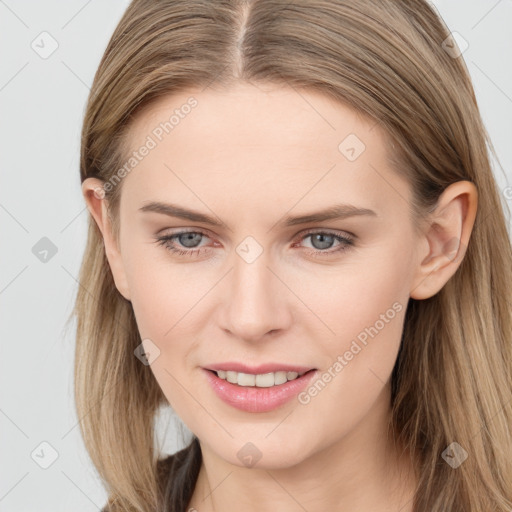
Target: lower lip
x=254 y=399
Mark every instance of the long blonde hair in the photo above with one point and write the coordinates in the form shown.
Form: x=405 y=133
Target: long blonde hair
x=452 y=381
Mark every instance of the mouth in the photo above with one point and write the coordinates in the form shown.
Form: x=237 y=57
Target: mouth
x=258 y=390
x=259 y=380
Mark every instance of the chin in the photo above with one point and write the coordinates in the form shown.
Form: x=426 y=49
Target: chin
x=279 y=453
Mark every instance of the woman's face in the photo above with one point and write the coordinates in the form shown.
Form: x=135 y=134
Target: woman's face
x=266 y=284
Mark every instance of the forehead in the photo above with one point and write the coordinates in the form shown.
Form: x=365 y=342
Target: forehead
x=253 y=115
x=274 y=140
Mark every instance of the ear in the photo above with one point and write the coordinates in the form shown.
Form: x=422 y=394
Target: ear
x=94 y=195
x=447 y=232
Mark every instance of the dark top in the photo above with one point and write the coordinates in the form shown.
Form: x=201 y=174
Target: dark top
x=177 y=475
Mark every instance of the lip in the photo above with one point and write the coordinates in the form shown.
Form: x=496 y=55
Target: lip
x=254 y=399
x=258 y=369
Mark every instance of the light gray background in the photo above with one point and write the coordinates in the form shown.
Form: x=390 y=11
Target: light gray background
x=42 y=104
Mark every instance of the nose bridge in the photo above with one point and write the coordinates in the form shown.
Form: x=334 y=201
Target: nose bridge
x=255 y=304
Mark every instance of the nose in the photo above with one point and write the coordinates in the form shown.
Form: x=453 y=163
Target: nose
x=258 y=302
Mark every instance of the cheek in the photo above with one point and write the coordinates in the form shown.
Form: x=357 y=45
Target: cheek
x=359 y=313
x=369 y=291
x=164 y=301
x=164 y=294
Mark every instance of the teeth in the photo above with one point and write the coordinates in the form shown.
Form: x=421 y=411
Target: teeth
x=262 y=380
x=280 y=378
x=231 y=377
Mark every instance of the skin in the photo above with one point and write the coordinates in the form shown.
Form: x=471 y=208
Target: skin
x=249 y=156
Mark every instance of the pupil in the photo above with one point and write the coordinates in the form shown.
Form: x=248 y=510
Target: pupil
x=323 y=243
x=189 y=239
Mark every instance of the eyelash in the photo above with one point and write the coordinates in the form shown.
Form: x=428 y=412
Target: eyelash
x=345 y=243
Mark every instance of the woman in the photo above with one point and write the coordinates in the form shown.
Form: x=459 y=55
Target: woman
x=296 y=241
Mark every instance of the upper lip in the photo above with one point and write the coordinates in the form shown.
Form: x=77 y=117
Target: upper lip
x=258 y=369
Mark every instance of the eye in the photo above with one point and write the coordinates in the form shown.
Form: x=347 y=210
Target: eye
x=188 y=242
x=321 y=240
x=187 y=239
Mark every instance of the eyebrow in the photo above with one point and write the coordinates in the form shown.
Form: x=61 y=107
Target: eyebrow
x=339 y=211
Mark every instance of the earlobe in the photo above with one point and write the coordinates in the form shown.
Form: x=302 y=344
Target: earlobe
x=447 y=235
x=98 y=208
